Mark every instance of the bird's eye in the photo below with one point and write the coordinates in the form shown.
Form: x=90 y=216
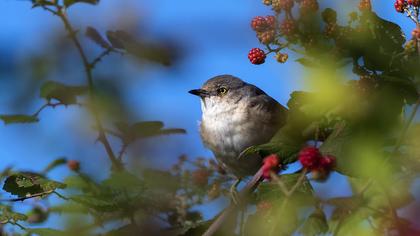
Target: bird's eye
x=222 y=90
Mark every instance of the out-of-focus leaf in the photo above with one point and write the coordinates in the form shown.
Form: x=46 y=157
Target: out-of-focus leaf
x=6 y=215
x=130 y=133
x=271 y=190
x=123 y=180
x=68 y=3
x=306 y=62
x=96 y=203
x=96 y=37
x=316 y=224
x=37 y=215
x=54 y=164
x=162 y=180
x=13 y=119
x=47 y=232
x=24 y=184
x=65 y=94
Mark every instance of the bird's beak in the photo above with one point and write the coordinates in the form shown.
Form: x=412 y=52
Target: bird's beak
x=199 y=92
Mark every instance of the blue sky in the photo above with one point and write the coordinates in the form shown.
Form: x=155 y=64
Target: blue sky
x=216 y=38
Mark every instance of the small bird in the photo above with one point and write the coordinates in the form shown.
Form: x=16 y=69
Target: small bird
x=237 y=115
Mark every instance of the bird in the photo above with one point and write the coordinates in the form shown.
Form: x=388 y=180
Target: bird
x=237 y=115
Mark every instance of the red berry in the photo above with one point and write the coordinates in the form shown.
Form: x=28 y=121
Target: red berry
x=259 y=23
x=414 y=3
x=271 y=22
x=309 y=157
x=327 y=162
x=416 y=33
x=73 y=165
x=267 y=37
x=399 y=6
x=309 y=5
x=270 y=163
x=256 y=56
x=287 y=27
x=200 y=177
x=365 y=5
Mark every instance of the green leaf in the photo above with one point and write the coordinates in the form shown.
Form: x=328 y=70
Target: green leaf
x=130 y=133
x=6 y=215
x=96 y=37
x=13 y=119
x=65 y=94
x=271 y=190
x=316 y=224
x=54 y=164
x=47 y=232
x=26 y=184
x=307 y=62
x=68 y=3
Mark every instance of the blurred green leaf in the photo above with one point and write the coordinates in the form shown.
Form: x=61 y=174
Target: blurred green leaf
x=47 y=232
x=6 y=214
x=13 y=119
x=316 y=224
x=68 y=3
x=130 y=133
x=271 y=190
x=65 y=94
x=307 y=62
x=57 y=162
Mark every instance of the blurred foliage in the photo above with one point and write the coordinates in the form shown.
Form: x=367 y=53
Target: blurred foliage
x=362 y=122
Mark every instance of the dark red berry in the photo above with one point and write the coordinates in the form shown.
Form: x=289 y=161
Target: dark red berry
x=287 y=27
x=399 y=6
x=73 y=165
x=271 y=22
x=365 y=5
x=416 y=33
x=267 y=37
x=259 y=23
x=327 y=162
x=414 y=3
x=256 y=56
x=270 y=164
x=309 y=157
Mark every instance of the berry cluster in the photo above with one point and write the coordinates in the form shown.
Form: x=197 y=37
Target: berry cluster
x=309 y=5
x=265 y=28
x=270 y=164
x=400 y=5
x=260 y=23
x=256 y=56
x=287 y=27
x=312 y=160
x=365 y=5
x=414 y=3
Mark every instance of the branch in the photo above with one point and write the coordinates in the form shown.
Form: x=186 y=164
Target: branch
x=88 y=71
x=100 y=57
x=243 y=194
x=21 y=199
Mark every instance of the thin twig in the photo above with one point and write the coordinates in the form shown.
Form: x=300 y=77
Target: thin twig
x=88 y=71
x=101 y=56
x=27 y=197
